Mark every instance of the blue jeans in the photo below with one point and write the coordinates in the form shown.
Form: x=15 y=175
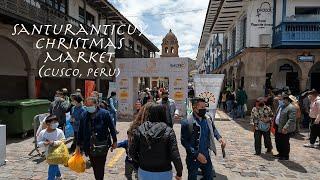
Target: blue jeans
x=146 y=175
x=240 y=110
x=53 y=172
x=193 y=167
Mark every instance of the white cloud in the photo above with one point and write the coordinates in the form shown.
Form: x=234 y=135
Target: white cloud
x=187 y=26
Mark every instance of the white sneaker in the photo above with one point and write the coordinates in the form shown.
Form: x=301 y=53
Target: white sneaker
x=309 y=145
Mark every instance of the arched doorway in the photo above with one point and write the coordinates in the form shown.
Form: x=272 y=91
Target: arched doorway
x=283 y=73
x=240 y=75
x=47 y=86
x=14 y=64
x=314 y=76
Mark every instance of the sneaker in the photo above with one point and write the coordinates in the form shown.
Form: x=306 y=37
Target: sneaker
x=309 y=145
x=276 y=155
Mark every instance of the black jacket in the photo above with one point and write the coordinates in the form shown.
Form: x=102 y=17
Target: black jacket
x=154 y=147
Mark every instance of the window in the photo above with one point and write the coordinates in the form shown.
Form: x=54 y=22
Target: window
x=307 y=10
x=172 y=49
x=166 y=49
x=59 y=5
x=233 y=45
x=145 y=53
x=243 y=33
x=89 y=16
x=139 y=49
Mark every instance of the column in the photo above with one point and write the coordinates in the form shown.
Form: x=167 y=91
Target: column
x=73 y=84
x=32 y=83
x=284 y=9
x=303 y=84
x=98 y=84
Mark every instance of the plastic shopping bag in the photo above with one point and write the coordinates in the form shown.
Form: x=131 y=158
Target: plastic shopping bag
x=58 y=154
x=77 y=163
x=68 y=132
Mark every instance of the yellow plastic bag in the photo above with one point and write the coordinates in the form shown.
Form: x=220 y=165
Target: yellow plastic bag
x=77 y=163
x=58 y=154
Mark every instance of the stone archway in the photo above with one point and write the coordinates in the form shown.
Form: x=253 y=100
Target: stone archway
x=240 y=74
x=284 y=73
x=46 y=86
x=14 y=69
x=314 y=77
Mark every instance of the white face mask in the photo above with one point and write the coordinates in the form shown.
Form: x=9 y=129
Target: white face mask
x=73 y=103
x=91 y=109
x=54 y=125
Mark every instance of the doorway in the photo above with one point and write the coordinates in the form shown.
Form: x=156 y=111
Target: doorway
x=292 y=82
x=315 y=79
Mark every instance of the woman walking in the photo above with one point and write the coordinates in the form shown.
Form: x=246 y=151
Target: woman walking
x=154 y=147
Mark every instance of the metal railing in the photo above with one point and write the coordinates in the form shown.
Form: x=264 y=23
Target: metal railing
x=297 y=33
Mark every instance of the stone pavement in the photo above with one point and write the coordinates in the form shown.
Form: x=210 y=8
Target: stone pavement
x=240 y=163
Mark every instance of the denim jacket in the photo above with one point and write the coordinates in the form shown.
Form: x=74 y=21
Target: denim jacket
x=190 y=139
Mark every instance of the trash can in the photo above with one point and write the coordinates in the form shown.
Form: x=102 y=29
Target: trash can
x=18 y=115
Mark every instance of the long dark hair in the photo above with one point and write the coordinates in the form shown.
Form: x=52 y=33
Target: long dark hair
x=157 y=113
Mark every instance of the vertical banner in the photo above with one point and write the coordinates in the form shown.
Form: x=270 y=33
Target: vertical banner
x=89 y=87
x=208 y=86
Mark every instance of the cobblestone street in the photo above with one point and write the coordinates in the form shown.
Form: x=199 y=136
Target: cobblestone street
x=240 y=161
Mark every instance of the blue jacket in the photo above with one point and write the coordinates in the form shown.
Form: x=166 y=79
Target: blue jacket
x=103 y=127
x=76 y=112
x=191 y=132
x=125 y=144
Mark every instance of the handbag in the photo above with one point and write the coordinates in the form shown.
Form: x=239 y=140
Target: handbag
x=262 y=126
x=97 y=148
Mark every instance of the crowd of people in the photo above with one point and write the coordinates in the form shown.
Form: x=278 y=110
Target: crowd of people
x=284 y=115
x=151 y=144
x=234 y=102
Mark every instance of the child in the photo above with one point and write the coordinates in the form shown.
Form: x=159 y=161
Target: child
x=130 y=166
x=51 y=136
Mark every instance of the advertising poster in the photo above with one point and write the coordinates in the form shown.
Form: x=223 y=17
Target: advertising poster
x=208 y=86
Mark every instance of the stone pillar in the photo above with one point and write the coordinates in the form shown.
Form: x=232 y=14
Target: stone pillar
x=98 y=84
x=73 y=84
x=31 y=83
x=303 y=84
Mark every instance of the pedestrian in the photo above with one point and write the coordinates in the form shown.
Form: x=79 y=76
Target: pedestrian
x=295 y=103
x=154 y=147
x=197 y=137
x=59 y=107
x=76 y=111
x=48 y=138
x=65 y=94
x=224 y=100
x=113 y=108
x=314 y=117
x=172 y=112
x=241 y=99
x=95 y=133
x=285 y=125
x=131 y=167
x=140 y=118
x=305 y=111
x=261 y=119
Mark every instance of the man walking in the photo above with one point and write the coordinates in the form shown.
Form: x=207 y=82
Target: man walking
x=59 y=107
x=171 y=111
x=315 y=117
x=197 y=137
x=241 y=101
x=285 y=125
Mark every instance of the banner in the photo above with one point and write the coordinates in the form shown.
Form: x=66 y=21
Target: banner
x=208 y=86
x=89 y=87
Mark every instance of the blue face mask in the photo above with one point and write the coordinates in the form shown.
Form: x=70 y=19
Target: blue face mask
x=91 y=109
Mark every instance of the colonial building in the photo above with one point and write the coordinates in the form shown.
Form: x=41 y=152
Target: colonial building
x=263 y=44
x=20 y=60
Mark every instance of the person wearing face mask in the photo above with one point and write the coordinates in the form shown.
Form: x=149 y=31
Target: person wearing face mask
x=285 y=125
x=96 y=135
x=261 y=119
x=59 y=107
x=170 y=106
x=76 y=111
x=49 y=137
x=197 y=137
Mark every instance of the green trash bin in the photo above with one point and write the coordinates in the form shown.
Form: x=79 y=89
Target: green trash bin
x=18 y=115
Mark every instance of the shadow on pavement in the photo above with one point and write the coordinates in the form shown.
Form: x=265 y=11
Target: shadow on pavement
x=15 y=139
x=220 y=177
x=294 y=166
x=267 y=157
x=299 y=136
x=244 y=123
x=39 y=160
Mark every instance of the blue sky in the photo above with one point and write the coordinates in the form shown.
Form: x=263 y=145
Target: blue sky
x=184 y=17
